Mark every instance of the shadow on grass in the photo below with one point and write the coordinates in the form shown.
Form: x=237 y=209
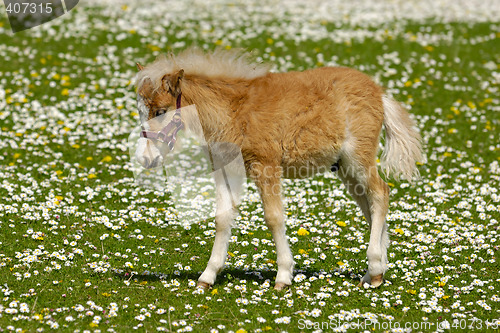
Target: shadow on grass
x=232 y=274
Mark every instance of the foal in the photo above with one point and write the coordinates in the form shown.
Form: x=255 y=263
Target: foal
x=286 y=125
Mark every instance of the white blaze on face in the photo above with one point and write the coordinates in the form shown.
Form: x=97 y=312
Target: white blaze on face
x=147 y=154
x=143 y=111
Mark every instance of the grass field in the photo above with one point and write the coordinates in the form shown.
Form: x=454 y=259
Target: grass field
x=82 y=248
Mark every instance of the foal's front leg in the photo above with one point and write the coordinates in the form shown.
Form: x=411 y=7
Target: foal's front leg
x=270 y=191
x=224 y=217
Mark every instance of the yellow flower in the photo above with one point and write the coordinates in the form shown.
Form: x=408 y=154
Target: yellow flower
x=340 y=263
x=399 y=231
x=214 y=292
x=341 y=223
x=154 y=48
x=91 y=176
x=65 y=92
x=302 y=232
x=471 y=105
x=107 y=159
x=241 y=330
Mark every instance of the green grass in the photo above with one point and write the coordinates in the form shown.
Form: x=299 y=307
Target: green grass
x=62 y=180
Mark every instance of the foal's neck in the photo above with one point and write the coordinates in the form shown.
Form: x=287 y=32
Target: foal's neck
x=215 y=99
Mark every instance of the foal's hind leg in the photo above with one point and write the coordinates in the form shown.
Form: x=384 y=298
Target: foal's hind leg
x=357 y=190
x=372 y=195
x=378 y=197
x=225 y=215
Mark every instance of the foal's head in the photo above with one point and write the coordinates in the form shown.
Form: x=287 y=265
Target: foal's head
x=155 y=97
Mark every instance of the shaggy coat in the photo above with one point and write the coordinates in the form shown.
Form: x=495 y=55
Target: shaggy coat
x=289 y=125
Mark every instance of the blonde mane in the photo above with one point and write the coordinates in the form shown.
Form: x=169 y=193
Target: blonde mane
x=233 y=64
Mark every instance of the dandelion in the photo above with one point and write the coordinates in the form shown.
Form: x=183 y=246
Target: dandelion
x=302 y=232
x=107 y=159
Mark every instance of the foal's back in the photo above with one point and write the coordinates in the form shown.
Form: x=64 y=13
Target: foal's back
x=305 y=117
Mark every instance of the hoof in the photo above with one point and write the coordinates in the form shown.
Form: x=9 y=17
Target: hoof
x=280 y=286
x=377 y=280
x=203 y=285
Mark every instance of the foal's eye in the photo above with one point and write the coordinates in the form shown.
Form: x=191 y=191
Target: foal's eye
x=160 y=112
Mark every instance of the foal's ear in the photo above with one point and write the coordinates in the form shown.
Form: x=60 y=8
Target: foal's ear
x=172 y=82
x=139 y=66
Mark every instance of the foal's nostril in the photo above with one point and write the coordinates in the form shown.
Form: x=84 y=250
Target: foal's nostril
x=150 y=163
x=157 y=161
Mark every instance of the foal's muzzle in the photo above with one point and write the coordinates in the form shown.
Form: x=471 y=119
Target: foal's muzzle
x=150 y=162
x=148 y=155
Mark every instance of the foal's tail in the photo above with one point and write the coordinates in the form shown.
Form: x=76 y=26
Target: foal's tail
x=402 y=141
